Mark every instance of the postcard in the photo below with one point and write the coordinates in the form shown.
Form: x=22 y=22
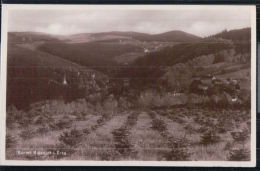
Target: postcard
x=128 y=85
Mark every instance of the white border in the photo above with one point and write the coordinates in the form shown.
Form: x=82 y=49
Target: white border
x=3 y=161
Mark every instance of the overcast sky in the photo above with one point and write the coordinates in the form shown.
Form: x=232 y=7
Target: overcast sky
x=198 y=22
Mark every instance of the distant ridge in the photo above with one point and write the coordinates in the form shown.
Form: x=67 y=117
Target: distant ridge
x=235 y=35
x=181 y=53
x=171 y=36
x=30 y=36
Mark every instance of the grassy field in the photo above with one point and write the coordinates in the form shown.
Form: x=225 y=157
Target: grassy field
x=79 y=131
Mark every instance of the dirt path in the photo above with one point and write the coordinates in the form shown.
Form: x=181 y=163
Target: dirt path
x=99 y=144
x=148 y=144
x=177 y=146
x=178 y=128
x=121 y=137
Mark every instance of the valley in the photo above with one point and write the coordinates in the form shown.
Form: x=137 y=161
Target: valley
x=172 y=96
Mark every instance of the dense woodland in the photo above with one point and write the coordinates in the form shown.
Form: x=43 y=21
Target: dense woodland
x=38 y=63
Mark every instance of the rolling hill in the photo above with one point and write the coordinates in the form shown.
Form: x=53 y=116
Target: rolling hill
x=171 y=36
x=90 y=54
x=39 y=62
x=235 y=35
x=34 y=75
x=220 y=48
x=26 y=37
x=180 y=53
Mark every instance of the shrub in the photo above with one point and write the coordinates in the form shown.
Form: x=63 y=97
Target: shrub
x=63 y=123
x=151 y=98
x=86 y=131
x=239 y=155
x=219 y=58
x=245 y=97
x=132 y=119
x=16 y=116
x=240 y=136
x=179 y=150
x=221 y=130
x=80 y=116
x=110 y=104
x=209 y=137
x=189 y=128
x=71 y=138
x=146 y=99
x=219 y=101
x=177 y=154
x=42 y=130
x=159 y=125
x=11 y=116
x=228 y=146
x=122 y=144
x=123 y=103
x=94 y=98
x=10 y=141
x=27 y=133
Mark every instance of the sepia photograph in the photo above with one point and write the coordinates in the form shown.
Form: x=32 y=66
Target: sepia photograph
x=128 y=85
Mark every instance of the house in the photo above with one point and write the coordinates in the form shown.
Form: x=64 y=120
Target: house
x=146 y=50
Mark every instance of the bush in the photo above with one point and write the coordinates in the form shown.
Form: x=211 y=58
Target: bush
x=146 y=99
x=189 y=129
x=220 y=101
x=110 y=104
x=27 y=133
x=151 y=98
x=179 y=150
x=42 y=130
x=219 y=58
x=13 y=115
x=71 y=138
x=10 y=141
x=63 y=123
x=159 y=125
x=122 y=144
x=240 y=136
x=239 y=155
x=209 y=137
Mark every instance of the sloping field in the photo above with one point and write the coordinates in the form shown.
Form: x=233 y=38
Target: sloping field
x=150 y=135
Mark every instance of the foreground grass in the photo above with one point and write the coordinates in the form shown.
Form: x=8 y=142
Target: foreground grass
x=77 y=131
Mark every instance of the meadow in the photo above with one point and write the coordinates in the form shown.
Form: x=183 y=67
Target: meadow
x=54 y=130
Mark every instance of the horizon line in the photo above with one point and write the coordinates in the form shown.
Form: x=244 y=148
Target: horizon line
x=65 y=35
